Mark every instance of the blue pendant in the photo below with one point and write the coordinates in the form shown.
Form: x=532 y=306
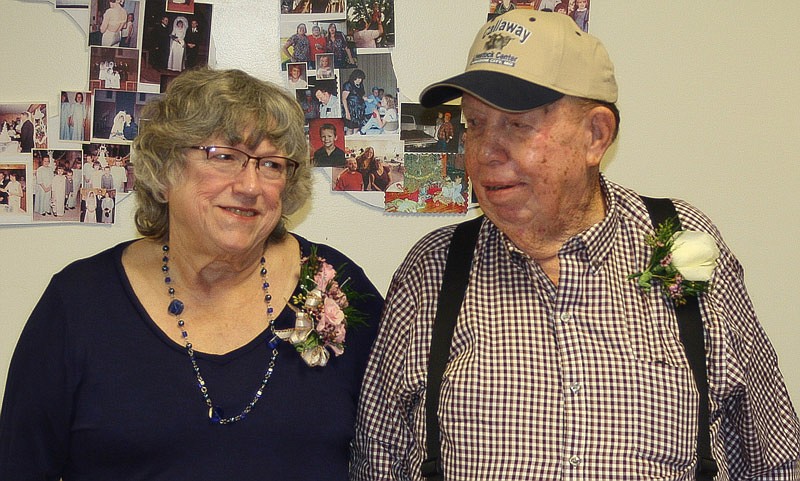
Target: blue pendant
x=215 y=414
x=273 y=342
x=175 y=307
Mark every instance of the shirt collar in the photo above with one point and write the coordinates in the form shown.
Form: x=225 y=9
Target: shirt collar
x=597 y=240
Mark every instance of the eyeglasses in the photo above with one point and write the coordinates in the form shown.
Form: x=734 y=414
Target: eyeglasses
x=231 y=161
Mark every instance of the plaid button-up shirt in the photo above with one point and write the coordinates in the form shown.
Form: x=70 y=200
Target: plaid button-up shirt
x=586 y=380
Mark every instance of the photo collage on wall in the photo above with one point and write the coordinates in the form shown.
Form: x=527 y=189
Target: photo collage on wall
x=135 y=47
x=578 y=10
x=336 y=56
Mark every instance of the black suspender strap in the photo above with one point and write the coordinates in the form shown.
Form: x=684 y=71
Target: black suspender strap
x=690 y=326
x=451 y=296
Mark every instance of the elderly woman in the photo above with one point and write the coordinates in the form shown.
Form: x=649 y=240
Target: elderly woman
x=219 y=346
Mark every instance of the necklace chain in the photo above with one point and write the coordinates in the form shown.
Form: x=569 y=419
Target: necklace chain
x=176 y=307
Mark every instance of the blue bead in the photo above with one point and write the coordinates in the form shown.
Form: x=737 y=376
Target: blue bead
x=215 y=414
x=167 y=280
x=165 y=259
x=273 y=343
x=175 y=307
x=270 y=310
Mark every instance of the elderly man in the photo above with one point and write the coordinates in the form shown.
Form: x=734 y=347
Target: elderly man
x=564 y=363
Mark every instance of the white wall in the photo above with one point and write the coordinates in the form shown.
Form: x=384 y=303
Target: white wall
x=709 y=100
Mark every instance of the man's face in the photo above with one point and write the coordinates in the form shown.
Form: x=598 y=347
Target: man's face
x=315 y=31
x=527 y=167
x=327 y=136
x=164 y=21
x=352 y=165
x=46 y=161
x=323 y=96
x=195 y=24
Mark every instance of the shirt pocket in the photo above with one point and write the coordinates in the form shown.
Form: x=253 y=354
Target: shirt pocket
x=664 y=403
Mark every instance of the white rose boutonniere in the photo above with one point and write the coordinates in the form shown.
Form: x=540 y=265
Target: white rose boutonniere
x=682 y=262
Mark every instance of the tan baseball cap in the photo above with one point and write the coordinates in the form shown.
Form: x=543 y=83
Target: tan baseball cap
x=524 y=59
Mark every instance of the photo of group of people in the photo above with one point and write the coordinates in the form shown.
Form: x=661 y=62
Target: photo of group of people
x=79 y=185
x=102 y=115
x=370 y=165
x=433 y=183
x=578 y=10
x=23 y=127
x=176 y=37
x=364 y=110
x=145 y=41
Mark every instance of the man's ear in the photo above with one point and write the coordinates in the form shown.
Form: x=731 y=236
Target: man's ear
x=602 y=125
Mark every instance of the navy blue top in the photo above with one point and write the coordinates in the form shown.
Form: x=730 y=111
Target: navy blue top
x=96 y=391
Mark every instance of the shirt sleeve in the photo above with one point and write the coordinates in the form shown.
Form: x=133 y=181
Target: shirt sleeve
x=759 y=432
x=35 y=419
x=756 y=428
x=389 y=439
x=383 y=439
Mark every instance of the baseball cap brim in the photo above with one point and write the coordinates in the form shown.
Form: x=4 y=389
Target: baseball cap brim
x=500 y=90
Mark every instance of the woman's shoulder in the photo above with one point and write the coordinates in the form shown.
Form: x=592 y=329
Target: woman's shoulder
x=93 y=271
x=331 y=254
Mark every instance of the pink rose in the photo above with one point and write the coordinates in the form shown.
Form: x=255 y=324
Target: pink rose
x=338 y=295
x=331 y=325
x=324 y=276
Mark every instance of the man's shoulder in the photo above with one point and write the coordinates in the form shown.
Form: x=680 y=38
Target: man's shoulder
x=430 y=251
x=631 y=207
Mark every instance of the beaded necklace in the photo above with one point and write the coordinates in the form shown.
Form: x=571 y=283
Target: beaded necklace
x=175 y=308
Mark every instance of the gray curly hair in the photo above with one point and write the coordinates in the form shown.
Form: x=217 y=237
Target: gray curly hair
x=202 y=104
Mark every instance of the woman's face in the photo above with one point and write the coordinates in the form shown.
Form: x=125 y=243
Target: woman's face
x=301 y=29
x=222 y=213
x=358 y=81
x=79 y=97
x=324 y=61
x=332 y=29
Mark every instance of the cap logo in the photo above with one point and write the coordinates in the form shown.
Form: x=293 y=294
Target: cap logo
x=496 y=41
x=511 y=27
x=493 y=54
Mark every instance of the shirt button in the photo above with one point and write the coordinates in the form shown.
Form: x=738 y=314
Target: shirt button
x=575 y=460
x=575 y=387
x=566 y=316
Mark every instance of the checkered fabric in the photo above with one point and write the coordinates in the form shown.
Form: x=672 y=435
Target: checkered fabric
x=584 y=381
